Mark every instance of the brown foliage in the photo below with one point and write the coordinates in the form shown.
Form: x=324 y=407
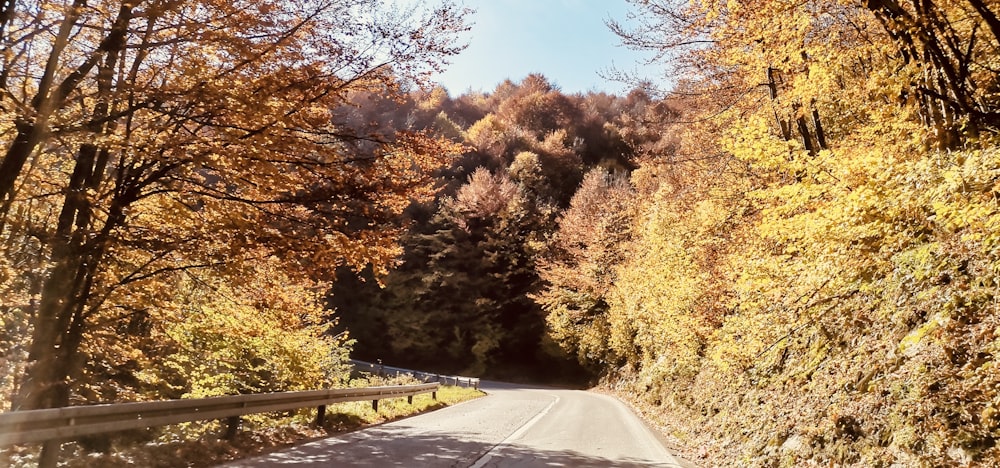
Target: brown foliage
x=150 y=138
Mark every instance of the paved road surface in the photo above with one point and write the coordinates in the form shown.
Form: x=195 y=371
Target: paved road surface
x=514 y=426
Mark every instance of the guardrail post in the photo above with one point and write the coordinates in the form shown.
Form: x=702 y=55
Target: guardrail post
x=434 y=395
x=409 y=400
x=232 y=427
x=49 y=457
x=375 y=405
x=320 y=415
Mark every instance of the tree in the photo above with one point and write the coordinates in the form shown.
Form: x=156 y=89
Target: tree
x=165 y=136
x=805 y=274
x=592 y=241
x=458 y=301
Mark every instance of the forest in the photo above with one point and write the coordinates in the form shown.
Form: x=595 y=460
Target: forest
x=789 y=258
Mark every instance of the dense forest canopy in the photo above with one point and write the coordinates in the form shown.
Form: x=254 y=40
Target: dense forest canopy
x=485 y=237
x=792 y=255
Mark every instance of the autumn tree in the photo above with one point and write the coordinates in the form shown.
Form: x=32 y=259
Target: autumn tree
x=479 y=248
x=803 y=267
x=592 y=240
x=145 y=138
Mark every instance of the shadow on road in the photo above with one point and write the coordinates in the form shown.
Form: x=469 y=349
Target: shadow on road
x=438 y=450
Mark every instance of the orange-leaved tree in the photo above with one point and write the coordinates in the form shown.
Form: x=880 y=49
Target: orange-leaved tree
x=143 y=138
x=580 y=270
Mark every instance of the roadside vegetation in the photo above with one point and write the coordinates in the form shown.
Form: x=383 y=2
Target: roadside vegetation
x=789 y=259
x=202 y=444
x=792 y=257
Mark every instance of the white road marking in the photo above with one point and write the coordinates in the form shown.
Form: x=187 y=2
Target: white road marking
x=483 y=460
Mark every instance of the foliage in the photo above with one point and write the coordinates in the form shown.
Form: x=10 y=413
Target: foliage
x=478 y=250
x=528 y=148
x=263 y=335
x=579 y=272
x=813 y=275
x=146 y=139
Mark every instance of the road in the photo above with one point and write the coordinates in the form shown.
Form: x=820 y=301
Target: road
x=513 y=426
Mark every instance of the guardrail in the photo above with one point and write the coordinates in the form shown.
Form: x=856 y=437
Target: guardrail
x=53 y=426
x=383 y=370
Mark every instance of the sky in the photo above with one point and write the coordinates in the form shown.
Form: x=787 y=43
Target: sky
x=565 y=40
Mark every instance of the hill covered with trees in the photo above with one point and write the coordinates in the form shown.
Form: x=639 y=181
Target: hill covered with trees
x=461 y=298
x=793 y=256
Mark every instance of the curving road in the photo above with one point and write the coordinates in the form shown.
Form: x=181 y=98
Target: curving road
x=514 y=426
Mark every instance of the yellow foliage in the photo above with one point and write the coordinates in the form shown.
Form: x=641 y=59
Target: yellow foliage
x=487 y=134
x=839 y=288
x=263 y=333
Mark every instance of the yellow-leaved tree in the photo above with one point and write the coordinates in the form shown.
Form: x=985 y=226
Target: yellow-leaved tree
x=853 y=295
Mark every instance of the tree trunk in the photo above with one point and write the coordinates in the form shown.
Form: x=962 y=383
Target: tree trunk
x=76 y=256
x=807 y=142
x=772 y=88
x=820 y=134
x=989 y=17
x=44 y=384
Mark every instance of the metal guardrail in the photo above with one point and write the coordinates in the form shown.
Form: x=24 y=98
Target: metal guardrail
x=62 y=424
x=383 y=370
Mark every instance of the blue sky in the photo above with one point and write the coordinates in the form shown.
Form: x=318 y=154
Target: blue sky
x=565 y=40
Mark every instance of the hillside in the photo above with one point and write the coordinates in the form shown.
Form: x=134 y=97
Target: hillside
x=795 y=260
x=791 y=257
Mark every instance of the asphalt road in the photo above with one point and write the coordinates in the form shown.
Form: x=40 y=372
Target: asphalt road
x=514 y=426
